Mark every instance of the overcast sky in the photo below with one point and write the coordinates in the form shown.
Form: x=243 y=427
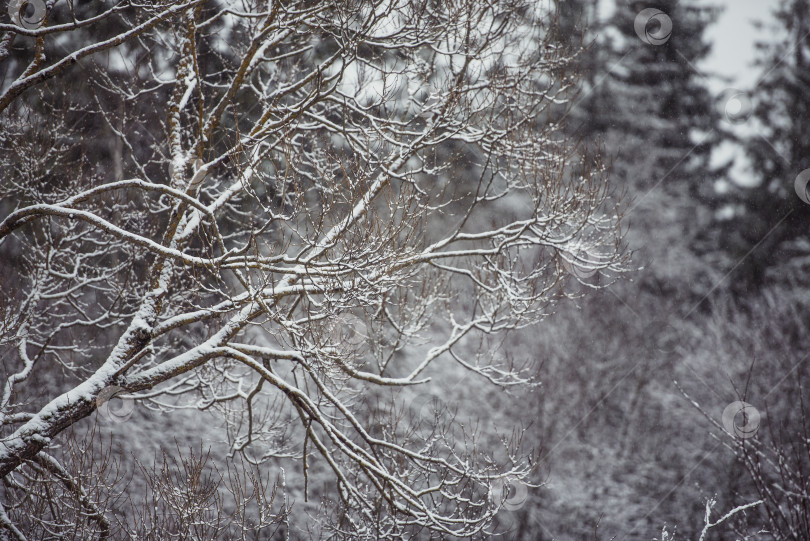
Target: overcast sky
x=732 y=55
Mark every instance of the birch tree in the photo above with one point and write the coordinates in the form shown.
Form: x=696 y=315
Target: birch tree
x=266 y=207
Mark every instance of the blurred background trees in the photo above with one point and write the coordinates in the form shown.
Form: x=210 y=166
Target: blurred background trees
x=777 y=145
x=716 y=304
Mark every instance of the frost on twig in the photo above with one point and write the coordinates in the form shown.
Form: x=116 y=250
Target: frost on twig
x=277 y=211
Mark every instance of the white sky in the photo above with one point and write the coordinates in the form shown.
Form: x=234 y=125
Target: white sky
x=730 y=66
x=733 y=39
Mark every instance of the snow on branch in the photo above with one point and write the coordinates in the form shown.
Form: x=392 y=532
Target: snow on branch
x=276 y=211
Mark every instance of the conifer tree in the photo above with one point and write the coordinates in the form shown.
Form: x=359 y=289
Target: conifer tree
x=771 y=219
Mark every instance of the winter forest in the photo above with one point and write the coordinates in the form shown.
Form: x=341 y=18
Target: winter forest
x=403 y=269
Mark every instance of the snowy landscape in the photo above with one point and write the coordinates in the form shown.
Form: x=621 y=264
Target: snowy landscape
x=405 y=269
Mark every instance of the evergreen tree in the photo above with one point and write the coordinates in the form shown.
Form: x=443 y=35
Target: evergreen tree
x=613 y=360
x=771 y=220
x=661 y=126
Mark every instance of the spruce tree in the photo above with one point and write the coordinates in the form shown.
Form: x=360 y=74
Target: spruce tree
x=771 y=220
x=661 y=123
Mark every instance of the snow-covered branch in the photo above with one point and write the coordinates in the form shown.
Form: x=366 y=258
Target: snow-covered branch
x=281 y=206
